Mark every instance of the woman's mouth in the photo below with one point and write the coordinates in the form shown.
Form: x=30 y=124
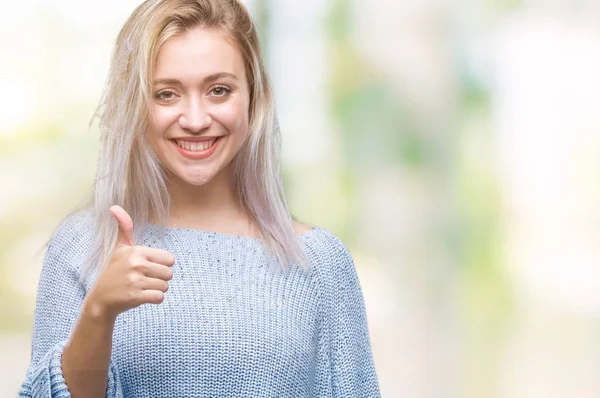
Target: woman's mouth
x=195 y=149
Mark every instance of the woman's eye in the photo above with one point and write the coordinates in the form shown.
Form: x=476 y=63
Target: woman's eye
x=220 y=91
x=165 y=95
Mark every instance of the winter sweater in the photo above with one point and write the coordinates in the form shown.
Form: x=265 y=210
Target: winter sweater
x=230 y=325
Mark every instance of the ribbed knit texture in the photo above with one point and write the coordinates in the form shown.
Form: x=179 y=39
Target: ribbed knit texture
x=230 y=324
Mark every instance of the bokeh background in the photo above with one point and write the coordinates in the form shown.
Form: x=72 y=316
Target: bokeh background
x=453 y=146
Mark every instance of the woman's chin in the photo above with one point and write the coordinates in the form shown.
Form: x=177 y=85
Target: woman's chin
x=197 y=175
x=197 y=180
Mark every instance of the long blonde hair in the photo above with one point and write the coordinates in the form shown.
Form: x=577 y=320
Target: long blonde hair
x=129 y=173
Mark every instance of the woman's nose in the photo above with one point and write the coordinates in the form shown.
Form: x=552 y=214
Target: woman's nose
x=194 y=116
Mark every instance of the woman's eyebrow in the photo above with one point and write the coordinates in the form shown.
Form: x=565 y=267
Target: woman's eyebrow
x=220 y=75
x=207 y=79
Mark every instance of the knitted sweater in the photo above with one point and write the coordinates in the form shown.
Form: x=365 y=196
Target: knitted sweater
x=229 y=326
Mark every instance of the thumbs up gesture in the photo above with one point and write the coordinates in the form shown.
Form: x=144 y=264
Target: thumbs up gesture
x=135 y=275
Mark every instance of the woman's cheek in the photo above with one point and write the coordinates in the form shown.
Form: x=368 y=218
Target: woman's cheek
x=232 y=117
x=163 y=117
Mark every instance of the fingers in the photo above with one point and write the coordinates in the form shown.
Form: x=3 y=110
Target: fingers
x=159 y=256
x=154 y=284
x=125 y=225
x=151 y=296
x=125 y=237
x=159 y=271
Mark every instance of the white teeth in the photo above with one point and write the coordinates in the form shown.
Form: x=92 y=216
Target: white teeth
x=195 y=146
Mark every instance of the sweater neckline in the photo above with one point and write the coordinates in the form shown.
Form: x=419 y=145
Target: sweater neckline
x=200 y=232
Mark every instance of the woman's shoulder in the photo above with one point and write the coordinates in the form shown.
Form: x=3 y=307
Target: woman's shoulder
x=72 y=231
x=326 y=249
x=68 y=245
x=331 y=263
x=301 y=228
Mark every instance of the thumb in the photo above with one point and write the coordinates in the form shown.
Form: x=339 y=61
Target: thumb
x=125 y=225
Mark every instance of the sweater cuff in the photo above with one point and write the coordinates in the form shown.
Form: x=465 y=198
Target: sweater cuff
x=113 y=383
x=48 y=381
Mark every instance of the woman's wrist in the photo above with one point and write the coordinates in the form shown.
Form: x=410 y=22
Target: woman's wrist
x=96 y=311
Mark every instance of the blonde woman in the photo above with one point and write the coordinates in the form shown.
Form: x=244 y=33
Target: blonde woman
x=188 y=215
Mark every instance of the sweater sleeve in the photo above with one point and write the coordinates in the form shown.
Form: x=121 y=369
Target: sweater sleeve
x=59 y=299
x=352 y=368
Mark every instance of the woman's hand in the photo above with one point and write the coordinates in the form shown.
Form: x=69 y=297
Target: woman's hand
x=135 y=275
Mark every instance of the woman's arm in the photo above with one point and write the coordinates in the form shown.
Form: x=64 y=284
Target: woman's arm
x=352 y=368
x=71 y=344
x=86 y=357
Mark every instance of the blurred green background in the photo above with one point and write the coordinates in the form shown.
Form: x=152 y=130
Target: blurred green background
x=453 y=147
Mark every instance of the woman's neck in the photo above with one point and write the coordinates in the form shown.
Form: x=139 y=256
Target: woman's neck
x=210 y=207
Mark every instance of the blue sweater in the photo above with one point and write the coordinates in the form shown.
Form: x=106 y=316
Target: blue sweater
x=229 y=326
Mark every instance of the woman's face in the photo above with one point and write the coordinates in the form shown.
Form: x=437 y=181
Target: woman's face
x=199 y=113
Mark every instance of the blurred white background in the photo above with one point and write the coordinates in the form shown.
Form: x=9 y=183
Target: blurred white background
x=454 y=147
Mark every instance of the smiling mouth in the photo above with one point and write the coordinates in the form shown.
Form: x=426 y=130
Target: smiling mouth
x=195 y=149
x=195 y=146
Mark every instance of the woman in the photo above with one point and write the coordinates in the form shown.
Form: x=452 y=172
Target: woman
x=247 y=301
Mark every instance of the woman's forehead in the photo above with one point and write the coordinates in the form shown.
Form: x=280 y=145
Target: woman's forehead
x=198 y=53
